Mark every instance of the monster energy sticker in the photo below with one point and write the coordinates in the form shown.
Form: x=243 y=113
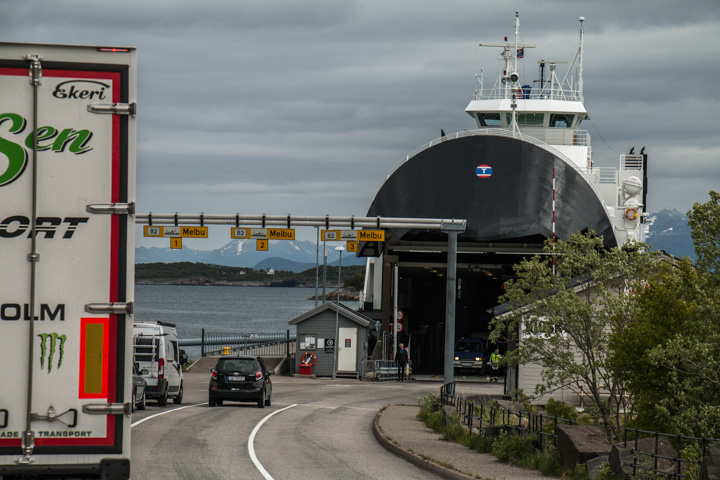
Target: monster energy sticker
x=53 y=337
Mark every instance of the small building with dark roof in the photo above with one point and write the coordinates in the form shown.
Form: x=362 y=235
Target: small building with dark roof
x=316 y=334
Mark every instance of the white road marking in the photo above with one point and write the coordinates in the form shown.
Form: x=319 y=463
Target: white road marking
x=330 y=407
x=251 y=447
x=166 y=411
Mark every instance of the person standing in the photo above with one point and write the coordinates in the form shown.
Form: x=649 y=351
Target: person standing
x=495 y=364
x=402 y=359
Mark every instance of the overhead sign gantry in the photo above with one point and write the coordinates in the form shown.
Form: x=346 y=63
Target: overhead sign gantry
x=351 y=229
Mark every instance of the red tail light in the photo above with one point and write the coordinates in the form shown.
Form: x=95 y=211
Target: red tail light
x=258 y=375
x=161 y=368
x=213 y=373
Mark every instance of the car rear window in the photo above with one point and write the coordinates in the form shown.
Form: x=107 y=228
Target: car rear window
x=243 y=365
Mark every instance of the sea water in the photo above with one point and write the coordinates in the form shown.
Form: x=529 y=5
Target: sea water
x=223 y=309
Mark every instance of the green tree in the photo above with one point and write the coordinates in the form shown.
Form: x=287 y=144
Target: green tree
x=563 y=316
x=356 y=282
x=669 y=353
x=665 y=310
x=704 y=220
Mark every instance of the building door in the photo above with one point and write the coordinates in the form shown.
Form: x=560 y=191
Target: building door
x=347 y=353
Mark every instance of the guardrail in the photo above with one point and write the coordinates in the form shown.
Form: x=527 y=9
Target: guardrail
x=269 y=344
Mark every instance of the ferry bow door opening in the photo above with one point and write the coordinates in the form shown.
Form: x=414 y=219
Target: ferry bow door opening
x=76 y=349
x=347 y=354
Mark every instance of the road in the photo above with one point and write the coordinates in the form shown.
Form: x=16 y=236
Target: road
x=315 y=428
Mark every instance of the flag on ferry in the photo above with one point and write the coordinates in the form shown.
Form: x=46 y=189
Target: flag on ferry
x=521 y=53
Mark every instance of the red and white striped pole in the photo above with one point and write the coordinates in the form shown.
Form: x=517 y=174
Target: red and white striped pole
x=553 y=220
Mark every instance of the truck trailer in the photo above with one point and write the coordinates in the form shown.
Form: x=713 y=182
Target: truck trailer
x=67 y=196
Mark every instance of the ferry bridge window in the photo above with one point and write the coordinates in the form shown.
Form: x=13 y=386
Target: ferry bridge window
x=527 y=119
x=561 y=120
x=489 y=119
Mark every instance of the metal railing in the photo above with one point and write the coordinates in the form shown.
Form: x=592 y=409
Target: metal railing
x=384 y=370
x=549 y=92
x=267 y=344
x=478 y=415
x=650 y=461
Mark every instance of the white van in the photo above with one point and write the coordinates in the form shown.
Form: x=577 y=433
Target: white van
x=155 y=350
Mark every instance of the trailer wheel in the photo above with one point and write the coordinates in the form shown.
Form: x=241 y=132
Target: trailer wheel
x=162 y=399
x=178 y=399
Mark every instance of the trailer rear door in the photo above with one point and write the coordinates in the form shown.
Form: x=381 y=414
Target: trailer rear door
x=67 y=172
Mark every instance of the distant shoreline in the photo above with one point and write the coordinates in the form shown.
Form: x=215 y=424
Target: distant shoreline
x=331 y=291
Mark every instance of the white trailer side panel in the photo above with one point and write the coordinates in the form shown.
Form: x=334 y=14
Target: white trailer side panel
x=73 y=357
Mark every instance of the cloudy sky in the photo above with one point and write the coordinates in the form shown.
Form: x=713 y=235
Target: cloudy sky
x=305 y=107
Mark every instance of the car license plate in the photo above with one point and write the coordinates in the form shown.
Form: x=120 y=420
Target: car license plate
x=235 y=378
x=467 y=364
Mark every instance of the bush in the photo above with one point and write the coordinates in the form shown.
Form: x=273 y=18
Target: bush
x=480 y=443
x=512 y=447
x=429 y=404
x=549 y=463
x=564 y=410
x=454 y=432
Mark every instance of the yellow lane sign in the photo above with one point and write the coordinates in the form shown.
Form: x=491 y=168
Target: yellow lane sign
x=194 y=232
x=281 y=234
x=352 y=246
x=175 y=231
x=371 y=235
x=262 y=245
x=263 y=233
x=176 y=242
x=353 y=235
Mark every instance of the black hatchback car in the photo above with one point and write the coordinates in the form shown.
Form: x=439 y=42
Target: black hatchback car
x=240 y=379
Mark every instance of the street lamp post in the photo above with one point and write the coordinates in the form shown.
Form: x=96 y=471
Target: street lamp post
x=337 y=315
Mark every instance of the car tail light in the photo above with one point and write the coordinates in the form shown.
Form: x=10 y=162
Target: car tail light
x=161 y=368
x=258 y=375
x=213 y=373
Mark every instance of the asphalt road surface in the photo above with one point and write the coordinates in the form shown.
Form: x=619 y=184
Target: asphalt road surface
x=319 y=429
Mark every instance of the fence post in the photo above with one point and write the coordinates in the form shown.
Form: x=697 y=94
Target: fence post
x=657 y=451
x=472 y=412
x=287 y=343
x=202 y=343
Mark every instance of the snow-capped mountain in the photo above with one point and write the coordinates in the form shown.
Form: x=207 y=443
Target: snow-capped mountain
x=242 y=253
x=670 y=232
x=291 y=255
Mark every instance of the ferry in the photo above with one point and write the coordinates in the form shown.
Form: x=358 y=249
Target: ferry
x=523 y=175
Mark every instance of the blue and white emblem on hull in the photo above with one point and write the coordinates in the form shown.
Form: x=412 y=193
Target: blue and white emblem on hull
x=483 y=171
